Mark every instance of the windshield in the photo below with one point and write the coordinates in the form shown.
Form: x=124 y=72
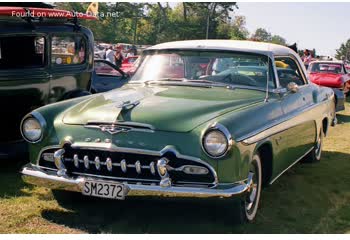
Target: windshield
x=208 y=67
x=326 y=68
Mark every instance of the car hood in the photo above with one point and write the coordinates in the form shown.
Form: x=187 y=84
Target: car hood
x=166 y=108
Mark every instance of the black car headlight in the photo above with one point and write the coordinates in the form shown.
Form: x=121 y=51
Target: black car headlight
x=32 y=127
x=216 y=141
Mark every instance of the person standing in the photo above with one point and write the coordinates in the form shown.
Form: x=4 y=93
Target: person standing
x=118 y=57
x=110 y=55
x=307 y=58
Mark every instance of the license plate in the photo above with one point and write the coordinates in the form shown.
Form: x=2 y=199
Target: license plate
x=104 y=189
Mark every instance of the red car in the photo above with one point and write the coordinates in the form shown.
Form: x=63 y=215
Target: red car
x=128 y=65
x=330 y=74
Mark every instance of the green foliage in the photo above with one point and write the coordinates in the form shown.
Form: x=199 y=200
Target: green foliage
x=343 y=53
x=262 y=35
x=152 y=23
x=278 y=40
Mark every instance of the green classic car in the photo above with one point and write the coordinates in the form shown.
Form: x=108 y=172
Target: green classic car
x=209 y=118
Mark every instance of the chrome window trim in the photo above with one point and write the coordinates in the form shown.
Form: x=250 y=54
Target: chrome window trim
x=301 y=70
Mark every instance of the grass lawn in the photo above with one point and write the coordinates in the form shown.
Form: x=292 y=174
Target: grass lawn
x=309 y=198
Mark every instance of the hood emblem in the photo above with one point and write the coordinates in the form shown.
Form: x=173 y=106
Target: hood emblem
x=112 y=129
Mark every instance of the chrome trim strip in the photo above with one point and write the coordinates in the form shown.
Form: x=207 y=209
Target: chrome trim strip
x=194 y=183
x=115 y=178
x=273 y=180
x=130 y=129
x=274 y=127
x=47 y=168
x=122 y=123
x=134 y=126
x=33 y=175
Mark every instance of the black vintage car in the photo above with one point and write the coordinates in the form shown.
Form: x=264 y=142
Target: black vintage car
x=42 y=60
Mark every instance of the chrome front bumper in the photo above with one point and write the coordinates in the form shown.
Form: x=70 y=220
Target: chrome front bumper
x=35 y=175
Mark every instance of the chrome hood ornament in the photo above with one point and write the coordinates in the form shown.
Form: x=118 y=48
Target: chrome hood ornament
x=127 y=105
x=113 y=129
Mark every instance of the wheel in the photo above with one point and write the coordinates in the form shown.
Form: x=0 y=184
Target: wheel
x=316 y=152
x=247 y=207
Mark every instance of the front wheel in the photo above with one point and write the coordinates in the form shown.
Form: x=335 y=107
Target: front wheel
x=247 y=207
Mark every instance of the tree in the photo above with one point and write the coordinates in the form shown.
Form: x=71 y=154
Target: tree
x=262 y=35
x=343 y=53
x=278 y=40
x=239 y=30
x=235 y=29
x=154 y=22
x=210 y=14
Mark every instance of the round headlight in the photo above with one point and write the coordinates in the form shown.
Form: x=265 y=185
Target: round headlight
x=31 y=129
x=216 y=143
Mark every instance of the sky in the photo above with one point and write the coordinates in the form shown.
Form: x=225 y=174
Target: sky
x=323 y=26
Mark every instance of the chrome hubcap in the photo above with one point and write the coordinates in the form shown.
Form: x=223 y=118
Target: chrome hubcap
x=318 y=147
x=253 y=191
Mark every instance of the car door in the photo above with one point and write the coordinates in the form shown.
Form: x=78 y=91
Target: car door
x=107 y=76
x=296 y=104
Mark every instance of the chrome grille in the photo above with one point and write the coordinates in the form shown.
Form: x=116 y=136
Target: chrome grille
x=131 y=167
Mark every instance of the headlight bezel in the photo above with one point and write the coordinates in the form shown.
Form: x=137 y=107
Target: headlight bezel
x=42 y=123
x=224 y=131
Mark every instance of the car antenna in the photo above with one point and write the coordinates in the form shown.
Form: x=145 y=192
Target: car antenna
x=267 y=80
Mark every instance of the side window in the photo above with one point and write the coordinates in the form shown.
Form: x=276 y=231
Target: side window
x=17 y=52
x=68 y=50
x=288 y=71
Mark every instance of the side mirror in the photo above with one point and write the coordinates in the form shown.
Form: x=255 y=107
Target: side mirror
x=293 y=87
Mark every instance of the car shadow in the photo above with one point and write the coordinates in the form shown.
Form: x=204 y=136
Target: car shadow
x=302 y=190
x=138 y=215
x=10 y=179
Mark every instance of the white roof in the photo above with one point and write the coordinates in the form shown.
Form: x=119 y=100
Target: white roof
x=230 y=45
